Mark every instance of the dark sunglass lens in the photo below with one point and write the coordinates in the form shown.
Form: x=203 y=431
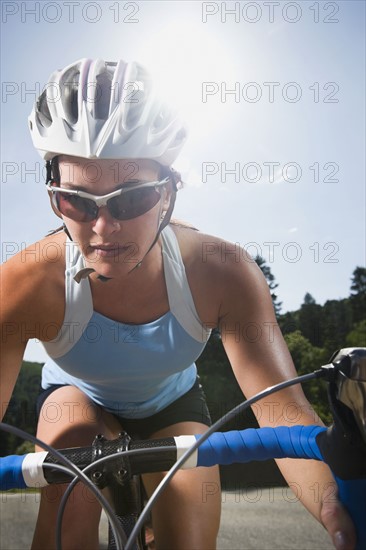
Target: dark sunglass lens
x=76 y=208
x=133 y=203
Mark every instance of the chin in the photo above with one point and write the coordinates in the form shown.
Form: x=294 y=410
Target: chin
x=112 y=270
x=112 y=255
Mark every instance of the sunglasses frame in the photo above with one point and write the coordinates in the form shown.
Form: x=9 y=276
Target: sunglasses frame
x=102 y=200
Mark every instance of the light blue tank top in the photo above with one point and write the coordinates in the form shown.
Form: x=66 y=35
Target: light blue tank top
x=132 y=370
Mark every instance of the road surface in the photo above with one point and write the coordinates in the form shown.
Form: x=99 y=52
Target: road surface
x=265 y=519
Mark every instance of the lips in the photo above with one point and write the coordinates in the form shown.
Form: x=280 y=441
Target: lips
x=109 y=250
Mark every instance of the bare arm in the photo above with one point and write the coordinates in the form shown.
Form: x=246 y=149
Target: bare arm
x=30 y=296
x=260 y=358
x=14 y=320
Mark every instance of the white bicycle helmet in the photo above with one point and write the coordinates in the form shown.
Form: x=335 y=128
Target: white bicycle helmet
x=110 y=110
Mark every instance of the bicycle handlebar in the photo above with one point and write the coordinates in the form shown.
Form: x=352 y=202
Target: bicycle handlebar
x=35 y=469
x=307 y=442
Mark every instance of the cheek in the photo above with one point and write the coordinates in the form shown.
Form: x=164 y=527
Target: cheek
x=79 y=232
x=145 y=224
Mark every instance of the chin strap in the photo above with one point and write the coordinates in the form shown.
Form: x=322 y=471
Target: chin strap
x=163 y=224
x=67 y=232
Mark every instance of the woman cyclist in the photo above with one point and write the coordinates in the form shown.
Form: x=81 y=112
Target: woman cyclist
x=126 y=303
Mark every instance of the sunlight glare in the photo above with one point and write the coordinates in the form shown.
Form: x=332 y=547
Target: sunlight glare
x=182 y=61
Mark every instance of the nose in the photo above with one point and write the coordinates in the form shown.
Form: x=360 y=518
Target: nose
x=105 y=224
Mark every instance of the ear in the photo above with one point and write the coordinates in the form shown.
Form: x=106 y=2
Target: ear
x=167 y=196
x=53 y=206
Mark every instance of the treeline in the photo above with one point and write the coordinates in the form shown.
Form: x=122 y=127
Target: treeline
x=21 y=411
x=312 y=333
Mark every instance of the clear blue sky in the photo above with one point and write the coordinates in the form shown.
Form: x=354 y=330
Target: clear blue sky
x=274 y=94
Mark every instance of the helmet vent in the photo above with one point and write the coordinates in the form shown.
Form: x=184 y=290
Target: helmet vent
x=159 y=121
x=69 y=95
x=42 y=110
x=102 y=95
x=136 y=94
x=180 y=137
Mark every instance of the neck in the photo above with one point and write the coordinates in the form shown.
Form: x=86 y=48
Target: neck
x=135 y=280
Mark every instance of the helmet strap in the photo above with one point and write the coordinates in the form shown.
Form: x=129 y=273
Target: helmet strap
x=67 y=232
x=48 y=172
x=163 y=224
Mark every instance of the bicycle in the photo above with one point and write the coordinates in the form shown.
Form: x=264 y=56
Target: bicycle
x=118 y=463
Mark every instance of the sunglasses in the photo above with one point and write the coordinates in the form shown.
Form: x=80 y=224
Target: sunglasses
x=128 y=202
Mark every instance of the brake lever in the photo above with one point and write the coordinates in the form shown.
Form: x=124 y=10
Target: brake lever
x=343 y=445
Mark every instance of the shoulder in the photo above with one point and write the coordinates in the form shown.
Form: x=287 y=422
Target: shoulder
x=214 y=254
x=37 y=261
x=196 y=246
x=32 y=283
x=222 y=271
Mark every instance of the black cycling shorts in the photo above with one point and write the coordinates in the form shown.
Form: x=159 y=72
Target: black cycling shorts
x=191 y=407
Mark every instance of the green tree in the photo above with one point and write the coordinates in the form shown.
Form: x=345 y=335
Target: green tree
x=308 y=299
x=21 y=411
x=310 y=320
x=308 y=358
x=357 y=337
x=336 y=324
x=289 y=322
x=270 y=278
x=358 y=294
x=358 y=285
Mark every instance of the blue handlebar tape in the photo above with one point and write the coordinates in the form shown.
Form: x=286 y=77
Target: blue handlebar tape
x=260 y=444
x=11 y=475
x=352 y=493
x=284 y=442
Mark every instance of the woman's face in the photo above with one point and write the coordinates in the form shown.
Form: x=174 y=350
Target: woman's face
x=110 y=246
